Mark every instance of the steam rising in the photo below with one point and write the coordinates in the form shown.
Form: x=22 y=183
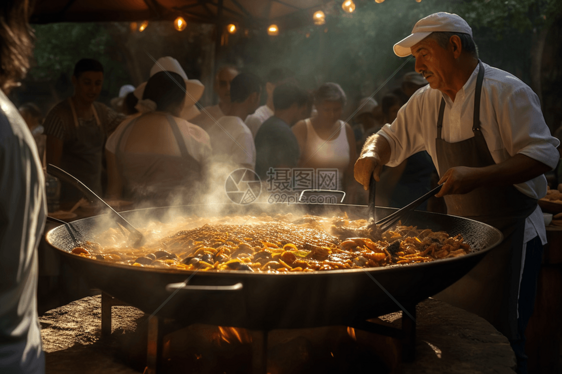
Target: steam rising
x=207 y=200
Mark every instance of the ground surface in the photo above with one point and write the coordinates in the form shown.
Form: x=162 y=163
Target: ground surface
x=449 y=340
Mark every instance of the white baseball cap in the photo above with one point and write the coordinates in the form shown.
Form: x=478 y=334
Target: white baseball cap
x=436 y=22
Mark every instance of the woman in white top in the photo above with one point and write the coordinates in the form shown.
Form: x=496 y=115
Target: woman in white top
x=326 y=142
x=157 y=157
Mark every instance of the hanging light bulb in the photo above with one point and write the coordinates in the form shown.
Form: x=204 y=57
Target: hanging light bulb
x=379 y=1
x=418 y=1
x=273 y=30
x=319 y=18
x=143 y=26
x=231 y=28
x=348 y=6
x=180 y=24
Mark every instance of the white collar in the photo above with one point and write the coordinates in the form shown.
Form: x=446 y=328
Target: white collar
x=469 y=85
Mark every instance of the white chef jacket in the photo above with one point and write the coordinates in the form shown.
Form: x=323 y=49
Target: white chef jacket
x=22 y=218
x=254 y=121
x=511 y=123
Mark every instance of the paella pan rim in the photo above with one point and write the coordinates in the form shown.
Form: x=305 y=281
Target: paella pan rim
x=53 y=232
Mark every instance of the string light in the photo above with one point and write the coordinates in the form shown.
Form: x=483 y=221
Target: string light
x=273 y=30
x=348 y=6
x=379 y=1
x=143 y=26
x=180 y=24
x=319 y=18
x=231 y=28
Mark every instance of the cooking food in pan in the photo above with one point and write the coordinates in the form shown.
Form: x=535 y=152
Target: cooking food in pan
x=277 y=244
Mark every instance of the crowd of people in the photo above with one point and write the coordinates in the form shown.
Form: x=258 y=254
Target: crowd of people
x=157 y=146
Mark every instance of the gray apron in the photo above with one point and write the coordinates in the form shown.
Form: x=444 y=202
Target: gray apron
x=156 y=179
x=490 y=290
x=82 y=156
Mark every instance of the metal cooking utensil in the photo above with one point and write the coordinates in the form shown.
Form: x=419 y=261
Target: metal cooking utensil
x=135 y=235
x=75 y=235
x=389 y=221
x=371 y=203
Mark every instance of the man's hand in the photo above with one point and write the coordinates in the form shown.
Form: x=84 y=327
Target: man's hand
x=369 y=165
x=460 y=180
x=375 y=154
x=517 y=169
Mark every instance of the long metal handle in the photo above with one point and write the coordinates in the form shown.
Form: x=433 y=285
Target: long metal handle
x=372 y=196
x=388 y=221
x=304 y=192
x=70 y=228
x=59 y=221
x=183 y=286
x=91 y=195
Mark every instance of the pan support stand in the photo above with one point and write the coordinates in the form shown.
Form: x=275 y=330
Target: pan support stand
x=106 y=303
x=158 y=328
x=406 y=335
x=259 y=351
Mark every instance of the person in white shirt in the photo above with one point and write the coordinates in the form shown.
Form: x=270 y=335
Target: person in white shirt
x=275 y=77
x=231 y=140
x=23 y=205
x=210 y=114
x=486 y=134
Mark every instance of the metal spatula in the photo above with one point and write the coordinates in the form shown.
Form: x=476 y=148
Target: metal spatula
x=387 y=222
x=135 y=235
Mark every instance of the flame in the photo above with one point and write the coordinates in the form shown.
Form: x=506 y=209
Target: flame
x=351 y=333
x=232 y=334
x=198 y=356
x=231 y=28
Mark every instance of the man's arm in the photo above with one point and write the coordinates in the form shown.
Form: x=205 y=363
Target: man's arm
x=517 y=169
x=375 y=154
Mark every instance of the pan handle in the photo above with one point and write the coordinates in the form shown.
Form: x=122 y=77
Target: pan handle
x=183 y=286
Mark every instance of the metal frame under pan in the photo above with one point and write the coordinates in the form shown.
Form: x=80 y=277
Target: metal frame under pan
x=270 y=301
x=265 y=302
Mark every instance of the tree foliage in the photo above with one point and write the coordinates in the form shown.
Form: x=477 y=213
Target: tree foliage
x=59 y=46
x=352 y=49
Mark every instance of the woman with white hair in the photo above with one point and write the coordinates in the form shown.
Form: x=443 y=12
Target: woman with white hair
x=325 y=141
